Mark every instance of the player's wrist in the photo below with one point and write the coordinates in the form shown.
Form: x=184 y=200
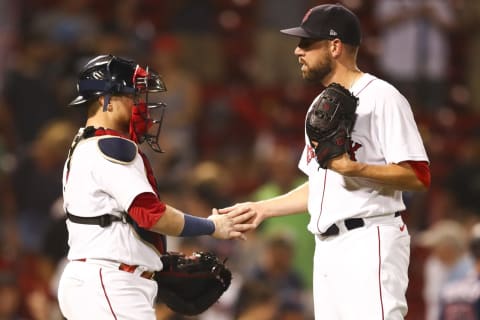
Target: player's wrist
x=216 y=226
x=197 y=226
x=222 y=226
x=358 y=169
x=265 y=209
x=345 y=166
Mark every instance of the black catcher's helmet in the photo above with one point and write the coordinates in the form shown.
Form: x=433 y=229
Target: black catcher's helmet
x=108 y=75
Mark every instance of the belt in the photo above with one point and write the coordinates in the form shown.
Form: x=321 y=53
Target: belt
x=350 y=224
x=129 y=268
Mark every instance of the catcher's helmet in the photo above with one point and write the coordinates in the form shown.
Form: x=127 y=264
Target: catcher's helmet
x=108 y=75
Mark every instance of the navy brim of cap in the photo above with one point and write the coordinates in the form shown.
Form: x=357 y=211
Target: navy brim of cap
x=296 y=32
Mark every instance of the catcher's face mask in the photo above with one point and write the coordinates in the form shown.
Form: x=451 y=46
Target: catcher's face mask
x=147 y=114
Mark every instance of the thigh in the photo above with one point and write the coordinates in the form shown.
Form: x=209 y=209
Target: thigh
x=326 y=292
x=89 y=291
x=393 y=270
x=362 y=274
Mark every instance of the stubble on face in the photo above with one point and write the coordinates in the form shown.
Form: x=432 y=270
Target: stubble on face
x=316 y=72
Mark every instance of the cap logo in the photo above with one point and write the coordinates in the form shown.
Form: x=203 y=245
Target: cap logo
x=333 y=33
x=305 y=17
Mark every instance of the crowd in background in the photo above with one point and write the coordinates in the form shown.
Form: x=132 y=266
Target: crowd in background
x=232 y=132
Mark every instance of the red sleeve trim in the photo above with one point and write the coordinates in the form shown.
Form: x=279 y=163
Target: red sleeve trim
x=146 y=209
x=422 y=171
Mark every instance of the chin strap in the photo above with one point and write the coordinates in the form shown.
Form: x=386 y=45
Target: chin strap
x=106 y=101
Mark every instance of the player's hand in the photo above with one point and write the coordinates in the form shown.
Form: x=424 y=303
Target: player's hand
x=231 y=225
x=344 y=165
x=254 y=208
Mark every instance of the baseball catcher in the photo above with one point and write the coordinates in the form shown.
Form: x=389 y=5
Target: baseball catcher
x=330 y=122
x=117 y=224
x=191 y=284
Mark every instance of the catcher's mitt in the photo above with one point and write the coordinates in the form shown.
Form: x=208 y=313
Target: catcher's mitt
x=330 y=122
x=191 y=284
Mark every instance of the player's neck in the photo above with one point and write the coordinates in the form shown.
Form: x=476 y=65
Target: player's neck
x=355 y=75
x=345 y=77
x=102 y=123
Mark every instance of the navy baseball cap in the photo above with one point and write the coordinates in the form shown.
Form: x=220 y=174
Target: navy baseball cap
x=328 y=21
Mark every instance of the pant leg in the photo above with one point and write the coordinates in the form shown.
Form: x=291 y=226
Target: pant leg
x=92 y=291
x=363 y=273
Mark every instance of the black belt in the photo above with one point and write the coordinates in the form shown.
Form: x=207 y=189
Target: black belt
x=103 y=221
x=350 y=224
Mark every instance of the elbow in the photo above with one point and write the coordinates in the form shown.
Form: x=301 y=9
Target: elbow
x=424 y=182
x=420 y=185
x=422 y=177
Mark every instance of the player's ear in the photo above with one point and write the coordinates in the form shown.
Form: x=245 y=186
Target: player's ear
x=336 y=47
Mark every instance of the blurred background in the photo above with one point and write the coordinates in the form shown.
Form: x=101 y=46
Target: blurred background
x=232 y=132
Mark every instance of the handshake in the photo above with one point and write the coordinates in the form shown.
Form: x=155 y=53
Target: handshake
x=189 y=285
x=233 y=222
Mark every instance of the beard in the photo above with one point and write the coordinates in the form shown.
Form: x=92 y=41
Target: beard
x=318 y=73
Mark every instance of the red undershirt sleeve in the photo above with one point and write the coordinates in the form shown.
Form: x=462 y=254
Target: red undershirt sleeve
x=422 y=171
x=146 y=209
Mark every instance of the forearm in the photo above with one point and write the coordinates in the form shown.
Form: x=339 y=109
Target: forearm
x=159 y=217
x=292 y=202
x=152 y=214
x=398 y=176
x=171 y=223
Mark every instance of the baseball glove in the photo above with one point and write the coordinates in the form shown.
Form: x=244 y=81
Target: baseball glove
x=330 y=122
x=189 y=285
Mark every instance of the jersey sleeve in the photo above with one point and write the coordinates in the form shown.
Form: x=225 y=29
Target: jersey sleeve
x=146 y=209
x=397 y=130
x=422 y=171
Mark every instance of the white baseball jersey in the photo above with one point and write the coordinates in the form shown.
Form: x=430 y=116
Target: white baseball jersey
x=363 y=273
x=97 y=186
x=384 y=132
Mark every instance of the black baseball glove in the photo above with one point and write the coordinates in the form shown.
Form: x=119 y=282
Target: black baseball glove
x=330 y=122
x=191 y=284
